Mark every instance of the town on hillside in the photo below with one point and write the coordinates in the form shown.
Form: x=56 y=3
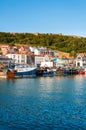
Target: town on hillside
x=40 y=57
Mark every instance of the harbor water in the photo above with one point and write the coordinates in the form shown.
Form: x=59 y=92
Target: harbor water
x=44 y=103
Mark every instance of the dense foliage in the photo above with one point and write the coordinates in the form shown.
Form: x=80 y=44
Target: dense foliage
x=59 y=42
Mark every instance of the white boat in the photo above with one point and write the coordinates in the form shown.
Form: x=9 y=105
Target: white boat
x=24 y=70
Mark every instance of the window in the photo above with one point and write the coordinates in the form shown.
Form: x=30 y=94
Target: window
x=79 y=58
x=23 y=56
x=78 y=64
x=13 y=56
x=18 y=61
x=22 y=61
x=84 y=58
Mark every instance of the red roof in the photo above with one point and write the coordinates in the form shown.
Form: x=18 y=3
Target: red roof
x=82 y=54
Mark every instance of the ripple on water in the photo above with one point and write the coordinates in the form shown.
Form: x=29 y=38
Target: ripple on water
x=43 y=104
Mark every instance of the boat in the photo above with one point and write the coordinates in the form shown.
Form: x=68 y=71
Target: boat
x=81 y=71
x=48 y=72
x=51 y=72
x=45 y=72
x=21 y=70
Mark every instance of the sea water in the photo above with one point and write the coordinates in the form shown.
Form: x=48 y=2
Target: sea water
x=44 y=103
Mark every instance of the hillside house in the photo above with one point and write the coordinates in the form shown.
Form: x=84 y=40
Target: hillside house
x=43 y=61
x=5 y=60
x=80 y=60
x=18 y=58
x=34 y=50
x=4 y=49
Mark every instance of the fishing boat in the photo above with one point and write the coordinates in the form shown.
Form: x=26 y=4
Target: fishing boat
x=48 y=72
x=45 y=72
x=81 y=71
x=21 y=70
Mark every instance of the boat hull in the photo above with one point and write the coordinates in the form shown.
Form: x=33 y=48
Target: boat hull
x=31 y=73
x=22 y=74
x=81 y=73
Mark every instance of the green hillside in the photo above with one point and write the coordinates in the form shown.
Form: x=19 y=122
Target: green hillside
x=69 y=44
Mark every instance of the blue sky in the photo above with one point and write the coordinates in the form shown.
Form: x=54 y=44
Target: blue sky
x=43 y=16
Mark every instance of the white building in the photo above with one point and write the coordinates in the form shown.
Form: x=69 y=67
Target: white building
x=60 y=62
x=43 y=61
x=35 y=50
x=81 y=60
x=18 y=58
x=46 y=64
x=31 y=49
x=39 y=59
x=5 y=60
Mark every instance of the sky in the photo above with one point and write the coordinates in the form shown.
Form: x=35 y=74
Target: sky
x=43 y=16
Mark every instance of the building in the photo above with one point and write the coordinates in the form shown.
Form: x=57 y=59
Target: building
x=43 y=61
x=42 y=51
x=80 y=60
x=4 y=49
x=18 y=58
x=5 y=60
x=39 y=59
x=34 y=50
x=47 y=64
x=48 y=52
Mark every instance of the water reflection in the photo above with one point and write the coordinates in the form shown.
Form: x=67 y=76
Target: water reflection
x=43 y=103
x=80 y=82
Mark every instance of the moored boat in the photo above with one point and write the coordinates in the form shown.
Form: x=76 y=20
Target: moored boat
x=81 y=71
x=22 y=70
